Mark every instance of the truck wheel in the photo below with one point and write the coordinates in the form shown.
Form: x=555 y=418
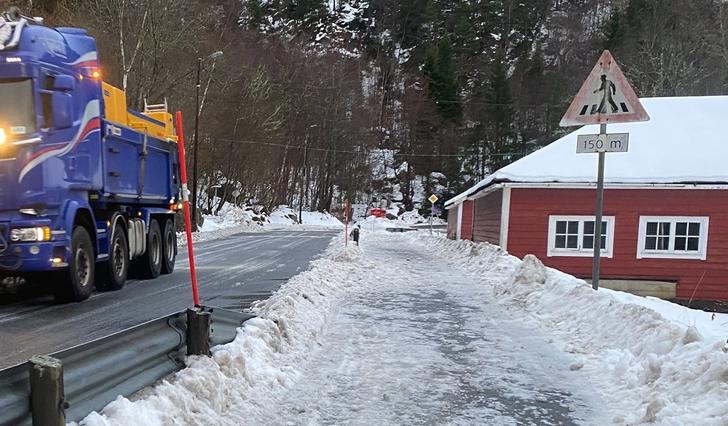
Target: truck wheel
x=112 y=273
x=149 y=264
x=76 y=282
x=169 y=247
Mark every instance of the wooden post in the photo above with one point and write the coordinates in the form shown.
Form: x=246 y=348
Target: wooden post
x=46 y=391
x=198 y=332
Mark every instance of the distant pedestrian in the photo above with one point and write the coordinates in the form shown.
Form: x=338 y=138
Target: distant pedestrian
x=355 y=234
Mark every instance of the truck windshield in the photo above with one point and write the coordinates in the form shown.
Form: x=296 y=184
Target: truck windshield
x=17 y=112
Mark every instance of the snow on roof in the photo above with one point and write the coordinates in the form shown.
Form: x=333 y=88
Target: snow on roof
x=456 y=199
x=684 y=142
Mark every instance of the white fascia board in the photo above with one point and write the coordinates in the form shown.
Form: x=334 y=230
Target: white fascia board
x=586 y=185
x=490 y=189
x=505 y=217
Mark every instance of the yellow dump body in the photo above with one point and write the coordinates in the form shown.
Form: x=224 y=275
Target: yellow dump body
x=158 y=124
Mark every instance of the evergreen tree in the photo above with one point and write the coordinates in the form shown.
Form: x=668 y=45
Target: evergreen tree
x=442 y=81
x=500 y=118
x=614 y=30
x=255 y=11
x=302 y=9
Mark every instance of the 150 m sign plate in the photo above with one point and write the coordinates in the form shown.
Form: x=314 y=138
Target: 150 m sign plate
x=614 y=142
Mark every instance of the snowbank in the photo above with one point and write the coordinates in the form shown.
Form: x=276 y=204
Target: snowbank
x=231 y=220
x=405 y=220
x=234 y=220
x=244 y=376
x=284 y=216
x=656 y=361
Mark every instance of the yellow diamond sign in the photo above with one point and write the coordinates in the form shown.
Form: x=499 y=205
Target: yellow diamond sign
x=433 y=198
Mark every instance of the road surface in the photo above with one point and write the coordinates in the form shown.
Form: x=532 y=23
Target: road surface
x=232 y=273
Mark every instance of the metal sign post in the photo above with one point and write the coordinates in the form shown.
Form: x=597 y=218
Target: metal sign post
x=605 y=97
x=433 y=199
x=596 y=264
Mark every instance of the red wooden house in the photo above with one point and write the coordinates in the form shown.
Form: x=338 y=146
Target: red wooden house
x=460 y=218
x=665 y=205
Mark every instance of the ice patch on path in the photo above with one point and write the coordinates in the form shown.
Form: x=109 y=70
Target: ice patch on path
x=243 y=377
x=655 y=361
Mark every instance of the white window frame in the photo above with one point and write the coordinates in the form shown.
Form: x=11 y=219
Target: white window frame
x=552 y=251
x=702 y=252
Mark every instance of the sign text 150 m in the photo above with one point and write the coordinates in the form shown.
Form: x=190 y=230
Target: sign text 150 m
x=615 y=142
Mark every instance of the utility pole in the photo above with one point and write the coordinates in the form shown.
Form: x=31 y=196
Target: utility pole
x=304 y=177
x=212 y=56
x=304 y=187
x=195 y=142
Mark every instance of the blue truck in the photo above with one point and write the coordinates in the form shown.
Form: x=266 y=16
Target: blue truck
x=88 y=188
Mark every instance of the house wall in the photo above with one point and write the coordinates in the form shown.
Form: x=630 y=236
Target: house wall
x=487 y=218
x=528 y=233
x=452 y=222
x=466 y=226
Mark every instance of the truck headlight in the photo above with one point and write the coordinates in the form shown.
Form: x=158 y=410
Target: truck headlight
x=40 y=233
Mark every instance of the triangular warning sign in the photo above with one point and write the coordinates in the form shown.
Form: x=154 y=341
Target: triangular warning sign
x=605 y=97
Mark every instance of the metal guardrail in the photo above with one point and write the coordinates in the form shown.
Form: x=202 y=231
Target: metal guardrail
x=14 y=395
x=95 y=373
x=428 y=226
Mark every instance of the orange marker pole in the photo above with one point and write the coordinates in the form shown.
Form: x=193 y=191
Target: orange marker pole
x=186 y=207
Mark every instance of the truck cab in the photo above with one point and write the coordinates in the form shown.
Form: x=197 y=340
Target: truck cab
x=88 y=188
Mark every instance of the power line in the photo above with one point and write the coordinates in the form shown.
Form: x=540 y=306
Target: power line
x=366 y=152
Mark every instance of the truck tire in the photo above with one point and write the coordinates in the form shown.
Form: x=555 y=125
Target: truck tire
x=112 y=273
x=149 y=265
x=76 y=282
x=169 y=247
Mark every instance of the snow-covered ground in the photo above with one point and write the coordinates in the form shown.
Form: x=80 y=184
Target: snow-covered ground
x=415 y=329
x=234 y=220
x=284 y=216
x=406 y=220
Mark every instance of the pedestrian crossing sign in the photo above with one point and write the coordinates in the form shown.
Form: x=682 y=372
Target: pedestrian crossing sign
x=605 y=97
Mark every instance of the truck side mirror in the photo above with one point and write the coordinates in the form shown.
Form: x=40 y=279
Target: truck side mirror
x=64 y=83
x=62 y=110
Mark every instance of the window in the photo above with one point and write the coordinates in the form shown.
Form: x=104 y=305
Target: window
x=673 y=237
x=46 y=97
x=18 y=113
x=575 y=236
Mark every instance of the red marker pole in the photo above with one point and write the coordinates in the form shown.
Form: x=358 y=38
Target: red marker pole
x=186 y=206
x=346 y=222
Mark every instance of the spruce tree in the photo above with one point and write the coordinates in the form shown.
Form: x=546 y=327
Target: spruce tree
x=302 y=9
x=500 y=118
x=442 y=81
x=614 y=30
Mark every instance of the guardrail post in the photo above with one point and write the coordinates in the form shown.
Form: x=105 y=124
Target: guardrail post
x=198 y=331
x=46 y=391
